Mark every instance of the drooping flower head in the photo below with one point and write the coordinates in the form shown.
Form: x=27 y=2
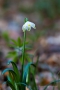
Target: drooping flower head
x=28 y=25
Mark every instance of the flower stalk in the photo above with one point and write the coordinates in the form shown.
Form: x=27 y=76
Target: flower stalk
x=23 y=54
x=26 y=27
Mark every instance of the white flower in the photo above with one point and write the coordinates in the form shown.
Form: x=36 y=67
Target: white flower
x=28 y=25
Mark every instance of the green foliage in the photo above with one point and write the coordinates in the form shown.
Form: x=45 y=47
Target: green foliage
x=49 y=8
x=17 y=51
x=20 y=80
x=6 y=37
x=15 y=69
x=26 y=70
x=13 y=79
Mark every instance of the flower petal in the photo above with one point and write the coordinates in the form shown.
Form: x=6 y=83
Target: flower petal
x=27 y=26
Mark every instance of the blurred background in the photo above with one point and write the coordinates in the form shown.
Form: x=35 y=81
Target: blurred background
x=46 y=15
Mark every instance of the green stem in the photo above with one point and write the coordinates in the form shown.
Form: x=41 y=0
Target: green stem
x=23 y=55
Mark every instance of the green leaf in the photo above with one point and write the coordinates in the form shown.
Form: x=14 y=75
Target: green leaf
x=13 y=82
x=11 y=54
x=26 y=42
x=6 y=37
x=10 y=78
x=26 y=70
x=24 y=85
x=11 y=71
x=12 y=74
x=7 y=70
x=15 y=70
x=16 y=86
x=28 y=47
x=10 y=84
x=12 y=46
x=15 y=58
x=34 y=86
x=14 y=41
x=27 y=57
x=20 y=59
x=19 y=42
